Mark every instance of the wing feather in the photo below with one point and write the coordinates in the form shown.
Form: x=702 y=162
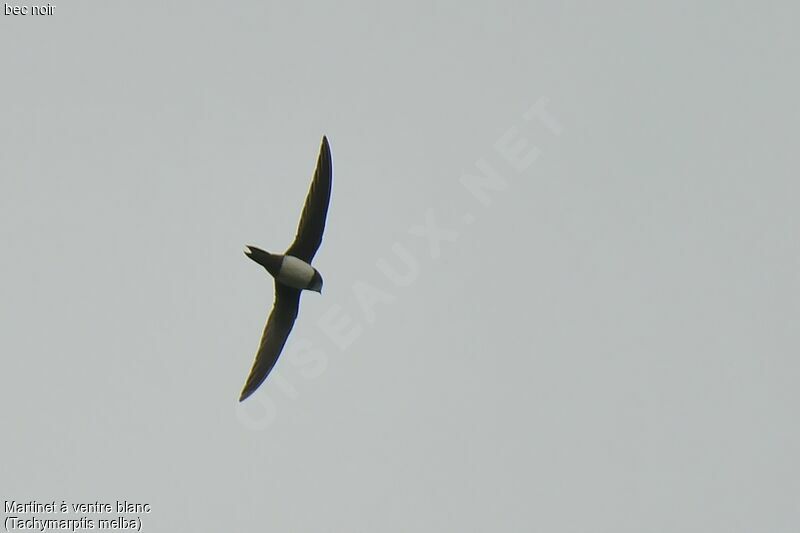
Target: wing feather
x=315 y=210
x=279 y=325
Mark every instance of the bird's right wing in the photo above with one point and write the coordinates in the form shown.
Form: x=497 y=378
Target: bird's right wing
x=279 y=324
x=315 y=210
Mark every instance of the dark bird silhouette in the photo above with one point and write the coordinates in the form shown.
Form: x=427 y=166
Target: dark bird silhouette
x=292 y=271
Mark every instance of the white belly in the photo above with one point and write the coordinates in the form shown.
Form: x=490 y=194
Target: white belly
x=295 y=272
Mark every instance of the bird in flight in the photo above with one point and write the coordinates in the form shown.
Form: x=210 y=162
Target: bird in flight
x=292 y=271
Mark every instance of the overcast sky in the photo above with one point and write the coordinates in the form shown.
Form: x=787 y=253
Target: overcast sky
x=561 y=264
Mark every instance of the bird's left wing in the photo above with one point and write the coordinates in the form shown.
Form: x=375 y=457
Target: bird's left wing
x=315 y=210
x=279 y=324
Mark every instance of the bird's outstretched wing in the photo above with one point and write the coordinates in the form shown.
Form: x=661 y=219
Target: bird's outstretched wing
x=279 y=324
x=312 y=222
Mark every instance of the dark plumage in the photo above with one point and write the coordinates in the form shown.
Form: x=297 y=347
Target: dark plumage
x=292 y=272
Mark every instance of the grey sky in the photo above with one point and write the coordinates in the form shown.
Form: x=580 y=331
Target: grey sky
x=609 y=345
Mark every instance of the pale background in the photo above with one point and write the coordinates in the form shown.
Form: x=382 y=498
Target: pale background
x=609 y=346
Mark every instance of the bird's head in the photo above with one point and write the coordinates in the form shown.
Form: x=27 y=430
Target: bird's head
x=316 y=283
